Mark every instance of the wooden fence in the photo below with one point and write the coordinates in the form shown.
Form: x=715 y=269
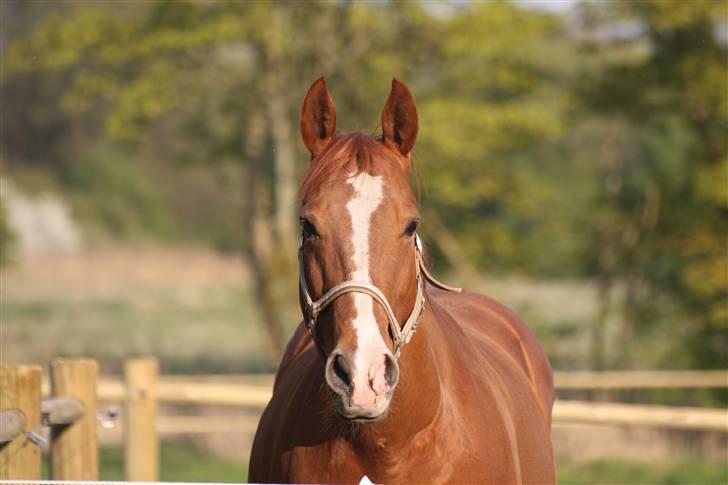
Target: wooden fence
x=69 y=412
x=73 y=390
x=609 y=380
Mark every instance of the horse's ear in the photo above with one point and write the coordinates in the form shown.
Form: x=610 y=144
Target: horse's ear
x=399 y=119
x=318 y=117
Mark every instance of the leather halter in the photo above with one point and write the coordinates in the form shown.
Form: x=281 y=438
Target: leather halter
x=400 y=335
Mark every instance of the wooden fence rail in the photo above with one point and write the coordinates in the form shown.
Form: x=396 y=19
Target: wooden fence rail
x=589 y=380
x=58 y=411
x=679 y=417
x=565 y=412
x=253 y=390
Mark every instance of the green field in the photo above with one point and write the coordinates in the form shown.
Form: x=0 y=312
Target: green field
x=622 y=472
x=193 y=309
x=190 y=308
x=180 y=462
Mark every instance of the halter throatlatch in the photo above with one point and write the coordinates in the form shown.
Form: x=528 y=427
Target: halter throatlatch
x=400 y=334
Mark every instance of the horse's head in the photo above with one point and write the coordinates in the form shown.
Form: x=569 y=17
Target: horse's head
x=358 y=222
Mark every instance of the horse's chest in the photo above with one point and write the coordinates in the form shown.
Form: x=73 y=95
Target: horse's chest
x=328 y=462
x=422 y=460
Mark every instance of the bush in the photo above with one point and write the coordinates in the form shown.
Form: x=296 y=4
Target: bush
x=113 y=197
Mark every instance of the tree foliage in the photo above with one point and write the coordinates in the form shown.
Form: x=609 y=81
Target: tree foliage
x=662 y=226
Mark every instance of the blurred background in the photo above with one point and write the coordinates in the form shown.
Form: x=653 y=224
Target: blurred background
x=571 y=162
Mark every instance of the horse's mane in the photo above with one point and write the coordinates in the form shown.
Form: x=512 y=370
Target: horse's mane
x=347 y=155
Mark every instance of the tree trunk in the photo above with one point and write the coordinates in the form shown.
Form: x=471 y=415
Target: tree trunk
x=285 y=166
x=597 y=342
x=635 y=276
x=259 y=242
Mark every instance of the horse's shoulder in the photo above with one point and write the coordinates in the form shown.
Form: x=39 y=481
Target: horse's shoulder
x=479 y=313
x=295 y=389
x=484 y=319
x=299 y=343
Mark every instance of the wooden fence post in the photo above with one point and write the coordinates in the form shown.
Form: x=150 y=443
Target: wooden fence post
x=141 y=443
x=74 y=452
x=20 y=388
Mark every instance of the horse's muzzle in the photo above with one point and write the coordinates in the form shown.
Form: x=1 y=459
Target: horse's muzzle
x=364 y=393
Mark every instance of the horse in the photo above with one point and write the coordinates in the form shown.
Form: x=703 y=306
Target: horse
x=393 y=376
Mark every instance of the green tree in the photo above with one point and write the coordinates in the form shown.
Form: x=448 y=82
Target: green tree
x=661 y=215
x=497 y=99
x=245 y=66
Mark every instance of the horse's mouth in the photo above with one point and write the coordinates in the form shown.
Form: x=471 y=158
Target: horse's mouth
x=359 y=416
x=362 y=419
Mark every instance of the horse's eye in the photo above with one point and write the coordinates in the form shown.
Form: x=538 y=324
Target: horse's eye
x=411 y=227
x=308 y=229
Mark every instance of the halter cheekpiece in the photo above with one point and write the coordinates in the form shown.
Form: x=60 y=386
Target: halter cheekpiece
x=400 y=335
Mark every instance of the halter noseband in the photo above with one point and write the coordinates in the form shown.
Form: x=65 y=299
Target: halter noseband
x=400 y=335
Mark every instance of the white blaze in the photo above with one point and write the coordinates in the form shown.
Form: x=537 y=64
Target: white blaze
x=367 y=197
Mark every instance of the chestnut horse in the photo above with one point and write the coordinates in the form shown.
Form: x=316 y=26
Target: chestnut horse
x=465 y=399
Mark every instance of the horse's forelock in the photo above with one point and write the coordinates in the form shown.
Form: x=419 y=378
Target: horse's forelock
x=347 y=155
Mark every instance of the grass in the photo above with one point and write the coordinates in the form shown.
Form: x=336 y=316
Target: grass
x=179 y=462
x=183 y=462
x=192 y=309
x=622 y=472
x=217 y=330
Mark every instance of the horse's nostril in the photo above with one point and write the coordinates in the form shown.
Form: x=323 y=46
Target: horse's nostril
x=342 y=370
x=391 y=371
x=338 y=373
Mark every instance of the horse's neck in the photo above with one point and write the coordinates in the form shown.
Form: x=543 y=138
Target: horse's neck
x=416 y=399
